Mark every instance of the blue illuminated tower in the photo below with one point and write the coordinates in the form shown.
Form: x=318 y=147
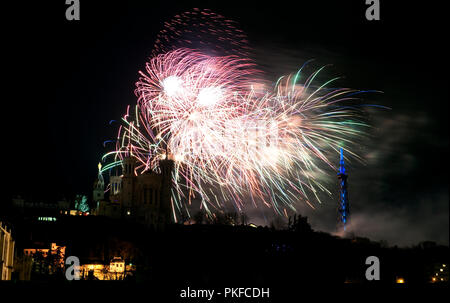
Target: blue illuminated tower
x=344 y=211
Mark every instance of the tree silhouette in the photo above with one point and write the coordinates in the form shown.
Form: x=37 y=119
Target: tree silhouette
x=81 y=203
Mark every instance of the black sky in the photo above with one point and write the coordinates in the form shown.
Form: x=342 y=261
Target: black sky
x=66 y=80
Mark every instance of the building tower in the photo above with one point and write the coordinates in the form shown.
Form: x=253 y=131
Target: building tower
x=128 y=185
x=344 y=211
x=99 y=186
x=166 y=166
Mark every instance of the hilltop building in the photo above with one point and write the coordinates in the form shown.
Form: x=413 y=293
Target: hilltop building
x=29 y=208
x=144 y=198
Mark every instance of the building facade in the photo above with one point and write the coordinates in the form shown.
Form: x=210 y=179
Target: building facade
x=116 y=270
x=144 y=198
x=6 y=252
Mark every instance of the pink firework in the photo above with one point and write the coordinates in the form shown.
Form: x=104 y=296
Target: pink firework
x=231 y=137
x=193 y=104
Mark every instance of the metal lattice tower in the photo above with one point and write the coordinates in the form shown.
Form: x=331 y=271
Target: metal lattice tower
x=344 y=211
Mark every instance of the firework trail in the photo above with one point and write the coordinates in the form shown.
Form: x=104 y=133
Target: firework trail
x=229 y=135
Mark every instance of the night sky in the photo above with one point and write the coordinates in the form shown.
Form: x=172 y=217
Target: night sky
x=66 y=80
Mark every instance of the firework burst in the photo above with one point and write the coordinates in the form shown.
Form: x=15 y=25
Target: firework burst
x=229 y=141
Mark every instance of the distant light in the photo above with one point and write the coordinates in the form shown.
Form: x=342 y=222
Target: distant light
x=442 y=279
x=433 y=279
x=400 y=281
x=444 y=265
x=128 y=212
x=441 y=269
x=50 y=219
